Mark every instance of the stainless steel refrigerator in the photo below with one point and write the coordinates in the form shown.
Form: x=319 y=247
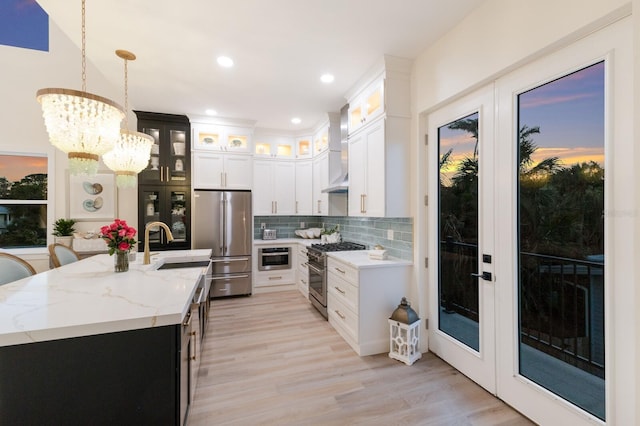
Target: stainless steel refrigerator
x=222 y=221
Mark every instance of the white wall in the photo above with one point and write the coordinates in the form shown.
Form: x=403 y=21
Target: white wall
x=500 y=36
x=24 y=71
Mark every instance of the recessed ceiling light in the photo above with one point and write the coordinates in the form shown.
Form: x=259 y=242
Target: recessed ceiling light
x=211 y=112
x=327 y=78
x=296 y=120
x=225 y=61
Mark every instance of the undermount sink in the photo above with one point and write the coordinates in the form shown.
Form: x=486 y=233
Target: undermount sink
x=176 y=265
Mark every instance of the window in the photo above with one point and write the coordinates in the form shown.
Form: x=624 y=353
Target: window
x=23 y=201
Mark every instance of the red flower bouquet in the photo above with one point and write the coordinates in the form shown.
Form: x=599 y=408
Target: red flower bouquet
x=119 y=236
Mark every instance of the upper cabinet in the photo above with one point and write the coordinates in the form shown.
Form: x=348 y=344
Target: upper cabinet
x=385 y=89
x=304 y=147
x=274 y=146
x=379 y=142
x=367 y=106
x=213 y=137
x=222 y=170
x=169 y=162
x=321 y=140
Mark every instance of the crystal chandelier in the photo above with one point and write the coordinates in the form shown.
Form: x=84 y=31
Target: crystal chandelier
x=130 y=154
x=82 y=124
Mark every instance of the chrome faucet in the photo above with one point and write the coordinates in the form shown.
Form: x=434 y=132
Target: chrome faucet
x=147 y=255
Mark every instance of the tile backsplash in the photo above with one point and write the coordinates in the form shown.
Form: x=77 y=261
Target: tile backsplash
x=367 y=230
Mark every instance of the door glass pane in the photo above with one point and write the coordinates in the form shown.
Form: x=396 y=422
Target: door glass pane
x=458 y=230
x=561 y=237
x=177 y=163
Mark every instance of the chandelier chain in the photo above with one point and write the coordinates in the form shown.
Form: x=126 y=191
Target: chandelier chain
x=84 y=60
x=126 y=95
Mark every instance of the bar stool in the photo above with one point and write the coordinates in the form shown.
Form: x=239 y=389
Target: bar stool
x=62 y=255
x=13 y=268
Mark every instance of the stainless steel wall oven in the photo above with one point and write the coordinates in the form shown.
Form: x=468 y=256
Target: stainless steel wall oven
x=273 y=258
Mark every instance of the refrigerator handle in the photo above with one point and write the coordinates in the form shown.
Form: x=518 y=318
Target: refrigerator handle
x=222 y=223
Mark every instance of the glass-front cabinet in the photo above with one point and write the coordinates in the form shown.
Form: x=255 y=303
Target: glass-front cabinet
x=304 y=146
x=212 y=137
x=164 y=187
x=169 y=162
x=367 y=106
x=274 y=146
x=170 y=205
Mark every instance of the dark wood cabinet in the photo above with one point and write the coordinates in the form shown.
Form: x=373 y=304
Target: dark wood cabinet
x=170 y=205
x=164 y=186
x=170 y=155
x=127 y=378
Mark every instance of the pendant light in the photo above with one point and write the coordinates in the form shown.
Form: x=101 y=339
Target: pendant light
x=82 y=124
x=131 y=152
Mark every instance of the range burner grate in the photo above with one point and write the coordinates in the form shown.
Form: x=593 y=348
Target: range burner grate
x=342 y=246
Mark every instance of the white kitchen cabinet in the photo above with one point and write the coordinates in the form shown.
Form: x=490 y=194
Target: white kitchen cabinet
x=360 y=300
x=367 y=106
x=274 y=187
x=303 y=270
x=274 y=146
x=320 y=204
x=212 y=137
x=304 y=147
x=278 y=279
x=321 y=140
x=218 y=170
x=304 y=187
x=379 y=144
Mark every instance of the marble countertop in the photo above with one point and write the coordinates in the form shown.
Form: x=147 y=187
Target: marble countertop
x=86 y=298
x=360 y=259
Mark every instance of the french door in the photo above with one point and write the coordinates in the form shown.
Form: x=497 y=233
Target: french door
x=463 y=301
x=520 y=298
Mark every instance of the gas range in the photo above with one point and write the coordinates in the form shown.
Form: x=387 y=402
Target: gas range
x=317 y=254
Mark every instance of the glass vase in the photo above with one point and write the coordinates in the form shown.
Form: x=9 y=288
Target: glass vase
x=121 y=261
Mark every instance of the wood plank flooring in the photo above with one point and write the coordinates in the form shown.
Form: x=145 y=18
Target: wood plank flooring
x=271 y=359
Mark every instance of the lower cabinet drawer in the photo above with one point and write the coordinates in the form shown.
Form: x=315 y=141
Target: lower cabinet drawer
x=275 y=278
x=343 y=291
x=342 y=318
x=349 y=273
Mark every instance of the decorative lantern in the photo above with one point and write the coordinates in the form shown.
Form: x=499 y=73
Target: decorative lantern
x=404 y=330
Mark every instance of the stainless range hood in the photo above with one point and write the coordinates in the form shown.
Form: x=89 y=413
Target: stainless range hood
x=339 y=166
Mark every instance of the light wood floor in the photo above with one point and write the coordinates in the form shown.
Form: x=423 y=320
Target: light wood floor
x=271 y=359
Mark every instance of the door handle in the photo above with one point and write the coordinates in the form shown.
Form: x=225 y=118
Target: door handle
x=484 y=275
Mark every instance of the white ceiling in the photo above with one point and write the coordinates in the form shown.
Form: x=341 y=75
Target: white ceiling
x=280 y=49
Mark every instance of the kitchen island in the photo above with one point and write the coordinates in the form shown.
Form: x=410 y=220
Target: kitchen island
x=82 y=344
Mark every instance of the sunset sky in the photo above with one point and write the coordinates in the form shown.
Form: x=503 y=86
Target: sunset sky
x=15 y=167
x=569 y=112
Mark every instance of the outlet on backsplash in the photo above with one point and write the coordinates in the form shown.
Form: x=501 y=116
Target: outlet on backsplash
x=263 y=225
x=389 y=234
x=302 y=225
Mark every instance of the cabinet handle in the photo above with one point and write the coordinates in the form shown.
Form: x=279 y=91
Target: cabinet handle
x=303 y=281
x=361 y=203
x=276 y=204
x=275 y=278
x=168 y=175
x=161 y=174
x=296 y=207
x=341 y=291
x=222 y=179
x=364 y=203
x=187 y=321
x=195 y=345
x=339 y=270
x=225 y=179
x=340 y=314
x=319 y=205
